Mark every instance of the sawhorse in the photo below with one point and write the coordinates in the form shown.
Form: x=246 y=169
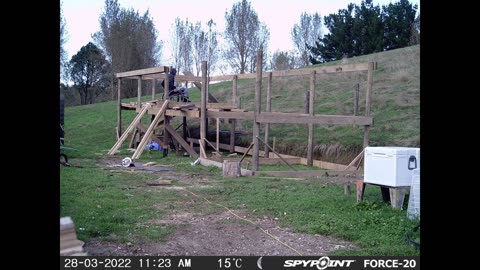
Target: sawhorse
x=394 y=195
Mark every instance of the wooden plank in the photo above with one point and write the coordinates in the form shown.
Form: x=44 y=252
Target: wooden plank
x=153 y=136
x=139 y=92
x=208 y=162
x=268 y=109
x=203 y=103
x=271 y=161
x=300 y=118
x=153 y=89
x=119 y=110
x=311 y=111
x=132 y=125
x=217 y=133
x=317 y=163
x=222 y=78
x=180 y=140
x=258 y=110
x=231 y=115
x=140 y=72
x=191 y=114
x=149 y=132
x=238 y=149
x=368 y=102
x=312 y=173
x=189 y=78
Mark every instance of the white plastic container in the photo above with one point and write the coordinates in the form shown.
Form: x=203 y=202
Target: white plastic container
x=391 y=166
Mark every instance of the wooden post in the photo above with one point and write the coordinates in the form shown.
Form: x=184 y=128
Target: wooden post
x=139 y=92
x=203 y=107
x=306 y=103
x=258 y=107
x=233 y=121
x=368 y=103
x=119 y=110
x=166 y=135
x=153 y=89
x=184 y=127
x=268 y=109
x=165 y=84
x=356 y=96
x=311 y=111
x=218 y=135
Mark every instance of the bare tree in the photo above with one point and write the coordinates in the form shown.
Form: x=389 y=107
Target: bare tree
x=205 y=46
x=182 y=45
x=129 y=41
x=244 y=36
x=306 y=33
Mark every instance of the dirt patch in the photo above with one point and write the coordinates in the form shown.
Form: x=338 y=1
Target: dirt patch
x=220 y=234
x=225 y=235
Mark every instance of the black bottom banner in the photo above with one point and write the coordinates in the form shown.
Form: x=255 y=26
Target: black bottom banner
x=239 y=262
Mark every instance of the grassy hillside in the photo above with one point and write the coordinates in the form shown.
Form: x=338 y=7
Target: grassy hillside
x=395 y=108
x=395 y=105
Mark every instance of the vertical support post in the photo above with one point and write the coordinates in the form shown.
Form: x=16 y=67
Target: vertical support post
x=139 y=92
x=203 y=107
x=166 y=84
x=311 y=111
x=218 y=134
x=119 y=109
x=306 y=102
x=184 y=127
x=258 y=107
x=233 y=121
x=356 y=97
x=368 y=103
x=268 y=109
x=153 y=89
x=166 y=135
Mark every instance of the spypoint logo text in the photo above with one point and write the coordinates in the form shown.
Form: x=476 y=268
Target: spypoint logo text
x=321 y=263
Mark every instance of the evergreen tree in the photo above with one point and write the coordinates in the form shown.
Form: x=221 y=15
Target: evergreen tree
x=399 y=19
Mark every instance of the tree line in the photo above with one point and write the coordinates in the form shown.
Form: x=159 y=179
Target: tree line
x=127 y=40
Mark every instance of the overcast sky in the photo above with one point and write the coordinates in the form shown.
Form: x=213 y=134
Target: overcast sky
x=280 y=16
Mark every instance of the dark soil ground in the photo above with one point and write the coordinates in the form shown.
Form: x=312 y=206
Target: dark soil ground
x=220 y=234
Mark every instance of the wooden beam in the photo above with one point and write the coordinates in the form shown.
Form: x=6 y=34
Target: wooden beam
x=368 y=102
x=149 y=132
x=258 y=109
x=153 y=136
x=139 y=92
x=189 y=78
x=203 y=103
x=119 y=110
x=312 y=173
x=270 y=161
x=230 y=114
x=132 y=125
x=311 y=111
x=238 y=149
x=218 y=133
x=153 y=89
x=140 y=72
x=233 y=121
x=180 y=140
x=299 y=118
x=278 y=155
x=222 y=78
x=268 y=109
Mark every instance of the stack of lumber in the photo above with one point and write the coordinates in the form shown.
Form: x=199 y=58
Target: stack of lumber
x=69 y=244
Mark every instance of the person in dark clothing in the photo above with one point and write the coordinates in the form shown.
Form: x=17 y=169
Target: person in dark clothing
x=181 y=94
x=171 y=80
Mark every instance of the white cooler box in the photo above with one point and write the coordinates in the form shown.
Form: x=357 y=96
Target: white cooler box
x=391 y=166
